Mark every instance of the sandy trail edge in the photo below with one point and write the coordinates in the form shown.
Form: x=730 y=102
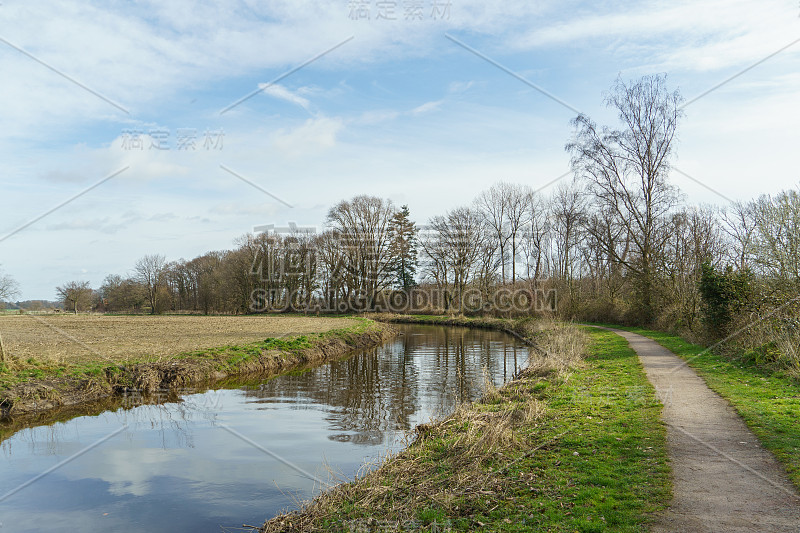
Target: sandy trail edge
x=723 y=479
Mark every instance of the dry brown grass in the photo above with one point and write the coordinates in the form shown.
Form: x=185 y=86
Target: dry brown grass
x=558 y=347
x=448 y=465
x=450 y=473
x=83 y=338
x=769 y=342
x=564 y=345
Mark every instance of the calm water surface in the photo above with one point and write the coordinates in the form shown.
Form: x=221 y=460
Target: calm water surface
x=224 y=458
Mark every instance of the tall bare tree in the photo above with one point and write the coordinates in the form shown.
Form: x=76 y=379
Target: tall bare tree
x=517 y=213
x=626 y=171
x=740 y=227
x=567 y=215
x=454 y=246
x=536 y=236
x=492 y=204
x=777 y=220
x=150 y=271
x=362 y=226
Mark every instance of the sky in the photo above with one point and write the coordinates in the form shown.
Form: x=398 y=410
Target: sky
x=174 y=128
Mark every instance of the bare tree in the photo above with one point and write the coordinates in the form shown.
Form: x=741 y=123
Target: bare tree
x=567 y=217
x=777 y=220
x=362 y=226
x=454 y=246
x=76 y=295
x=694 y=239
x=9 y=288
x=517 y=213
x=488 y=263
x=299 y=269
x=150 y=271
x=204 y=276
x=535 y=236
x=607 y=272
x=239 y=276
x=121 y=294
x=739 y=225
x=331 y=264
x=492 y=204
x=626 y=172
x=436 y=264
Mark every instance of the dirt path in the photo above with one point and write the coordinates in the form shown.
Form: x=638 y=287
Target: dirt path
x=723 y=479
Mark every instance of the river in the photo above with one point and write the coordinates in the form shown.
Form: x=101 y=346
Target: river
x=218 y=459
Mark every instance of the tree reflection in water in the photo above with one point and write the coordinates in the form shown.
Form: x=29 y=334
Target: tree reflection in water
x=424 y=373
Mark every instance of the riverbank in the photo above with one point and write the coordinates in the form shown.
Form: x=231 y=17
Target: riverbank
x=574 y=443
x=32 y=387
x=525 y=329
x=767 y=400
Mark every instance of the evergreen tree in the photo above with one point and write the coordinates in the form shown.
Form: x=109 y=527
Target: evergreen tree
x=403 y=249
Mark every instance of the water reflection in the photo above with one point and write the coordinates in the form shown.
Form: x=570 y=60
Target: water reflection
x=175 y=469
x=424 y=373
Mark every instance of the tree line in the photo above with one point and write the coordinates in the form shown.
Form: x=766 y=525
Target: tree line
x=618 y=243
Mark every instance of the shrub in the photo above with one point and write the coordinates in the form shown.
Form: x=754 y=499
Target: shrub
x=724 y=294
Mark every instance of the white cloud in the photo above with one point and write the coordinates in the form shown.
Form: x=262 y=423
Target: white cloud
x=263 y=209
x=701 y=36
x=61 y=176
x=146 y=55
x=103 y=225
x=282 y=93
x=460 y=86
x=427 y=107
x=369 y=118
x=309 y=139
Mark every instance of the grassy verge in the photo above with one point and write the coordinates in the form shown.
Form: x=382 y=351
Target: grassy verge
x=769 y=402
x=33 y=387
x=574 y=444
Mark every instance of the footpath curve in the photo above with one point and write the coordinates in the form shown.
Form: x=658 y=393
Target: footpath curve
x=723 y=479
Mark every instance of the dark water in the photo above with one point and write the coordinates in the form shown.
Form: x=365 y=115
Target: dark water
x=228 y=457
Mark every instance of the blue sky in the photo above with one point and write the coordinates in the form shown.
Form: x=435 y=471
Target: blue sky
x=399 y=111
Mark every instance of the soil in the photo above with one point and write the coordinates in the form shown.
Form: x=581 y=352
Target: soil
x=32 y=398
x=63 y=338
x=724 y=480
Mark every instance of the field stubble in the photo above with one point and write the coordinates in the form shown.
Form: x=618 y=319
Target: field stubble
x=78 y=339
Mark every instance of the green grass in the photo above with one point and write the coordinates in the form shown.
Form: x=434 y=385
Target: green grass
x=229 y=358
x=768 y=401
x=226 y=358
x=596 y=460
x=609 y=416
